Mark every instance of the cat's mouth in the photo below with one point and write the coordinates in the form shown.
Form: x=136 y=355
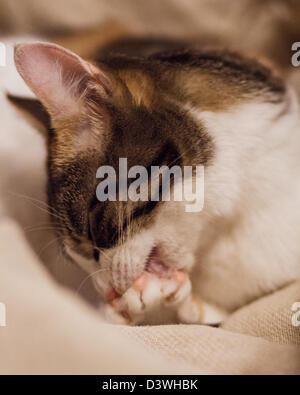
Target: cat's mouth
x=156 y=264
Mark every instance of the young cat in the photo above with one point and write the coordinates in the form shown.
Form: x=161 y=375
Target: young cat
x=167 y=104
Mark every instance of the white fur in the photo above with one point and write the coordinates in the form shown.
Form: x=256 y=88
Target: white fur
x=252 y=204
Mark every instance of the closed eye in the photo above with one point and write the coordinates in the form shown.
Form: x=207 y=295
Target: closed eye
x=144 y=210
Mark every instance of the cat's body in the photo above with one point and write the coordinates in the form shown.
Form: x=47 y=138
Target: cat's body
x=254 y=227
x=184 y=106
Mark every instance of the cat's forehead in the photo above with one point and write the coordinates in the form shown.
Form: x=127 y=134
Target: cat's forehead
x=147 y=102
x=144 y=137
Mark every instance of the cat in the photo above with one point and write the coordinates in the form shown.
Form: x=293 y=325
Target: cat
x=166 y=103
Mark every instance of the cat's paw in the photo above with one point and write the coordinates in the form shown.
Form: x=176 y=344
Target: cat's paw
x=155 y=300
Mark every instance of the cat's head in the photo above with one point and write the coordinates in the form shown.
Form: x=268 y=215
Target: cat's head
x=184 y=108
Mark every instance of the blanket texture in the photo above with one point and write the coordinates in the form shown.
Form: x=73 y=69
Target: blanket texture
x=50 y=330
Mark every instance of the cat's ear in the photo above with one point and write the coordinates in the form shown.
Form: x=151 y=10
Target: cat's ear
x=58 y=77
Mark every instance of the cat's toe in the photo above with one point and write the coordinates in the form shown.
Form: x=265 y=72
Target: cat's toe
x=177 y=289
x=144 y=297
x=150 y=296
x=190 y=311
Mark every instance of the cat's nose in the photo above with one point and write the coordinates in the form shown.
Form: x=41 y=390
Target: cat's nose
x=126 y=267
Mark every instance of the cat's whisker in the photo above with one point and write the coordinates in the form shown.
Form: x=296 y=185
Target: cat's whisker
x=55 y=231
x=130 y=228
x=88 y=277
x=46 y=223
x=178 y=157
x=47 y=209
x=122 y=230
x=41 y=228
x=101 y=250
x=33 y=199
x=49 y=244
x=120 y=224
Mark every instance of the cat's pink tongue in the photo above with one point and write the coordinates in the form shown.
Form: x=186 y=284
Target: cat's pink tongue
x=157 y=266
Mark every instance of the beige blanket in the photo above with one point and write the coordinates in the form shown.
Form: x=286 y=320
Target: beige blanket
x=49 y=329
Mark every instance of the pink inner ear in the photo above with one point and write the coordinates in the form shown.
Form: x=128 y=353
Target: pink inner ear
x=54 y=74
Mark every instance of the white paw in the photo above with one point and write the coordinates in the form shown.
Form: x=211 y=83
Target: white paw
x=153 y=300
